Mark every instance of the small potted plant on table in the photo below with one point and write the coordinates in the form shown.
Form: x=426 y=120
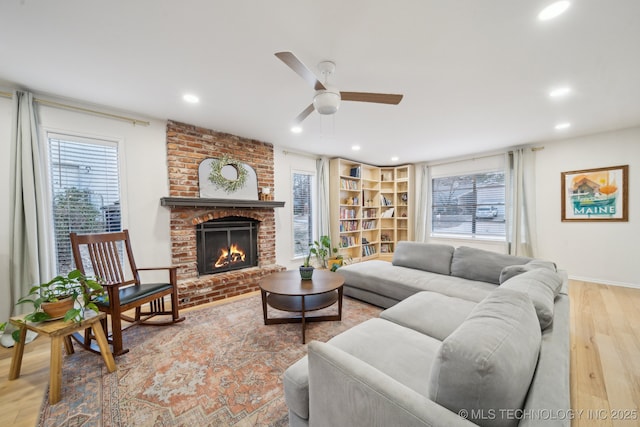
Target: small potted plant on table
x=306 y=269
x=63 y=297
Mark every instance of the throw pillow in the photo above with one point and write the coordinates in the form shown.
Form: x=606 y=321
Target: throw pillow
x=542 y=286
x=513 y=270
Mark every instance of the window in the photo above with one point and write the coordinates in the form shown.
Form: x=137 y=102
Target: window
x=302 y=213
x=85 y=190
x=469 y=206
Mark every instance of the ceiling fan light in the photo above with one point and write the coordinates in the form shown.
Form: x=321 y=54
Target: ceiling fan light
x=326 y=102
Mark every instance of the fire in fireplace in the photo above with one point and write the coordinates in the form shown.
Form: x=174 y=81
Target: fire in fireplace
x=227 y=244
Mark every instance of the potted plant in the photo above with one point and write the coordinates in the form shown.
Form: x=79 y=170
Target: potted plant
x=306 y=269
x=63 y=297
x=328 y=256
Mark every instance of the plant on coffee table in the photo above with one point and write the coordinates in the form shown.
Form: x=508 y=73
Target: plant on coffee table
x=306 y=269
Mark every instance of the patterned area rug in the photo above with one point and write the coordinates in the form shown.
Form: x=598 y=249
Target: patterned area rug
x=220 y=367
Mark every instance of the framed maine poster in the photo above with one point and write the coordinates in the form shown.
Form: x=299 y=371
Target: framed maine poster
x=596 y=194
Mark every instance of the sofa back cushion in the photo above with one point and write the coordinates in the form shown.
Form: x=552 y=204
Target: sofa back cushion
x=542 y=286
x=485 y=367
x=478 y=264
x=432 y=257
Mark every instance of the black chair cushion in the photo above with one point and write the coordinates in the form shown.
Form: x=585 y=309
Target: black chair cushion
x=137 y=292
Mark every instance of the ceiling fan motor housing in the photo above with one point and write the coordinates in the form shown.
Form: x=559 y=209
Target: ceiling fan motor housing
x=327 y=101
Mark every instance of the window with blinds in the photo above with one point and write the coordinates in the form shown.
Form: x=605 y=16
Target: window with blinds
x=469 y=206
x=85 y=190
x=302 y=213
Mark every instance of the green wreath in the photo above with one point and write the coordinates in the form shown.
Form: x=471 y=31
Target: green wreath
x=228 y=185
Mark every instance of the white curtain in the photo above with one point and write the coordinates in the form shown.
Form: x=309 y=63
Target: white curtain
x=322 y=172
x=31 y=256
x=422 y=208
x=521 y=221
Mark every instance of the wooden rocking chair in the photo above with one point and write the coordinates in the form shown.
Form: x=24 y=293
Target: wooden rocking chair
x=106 y=253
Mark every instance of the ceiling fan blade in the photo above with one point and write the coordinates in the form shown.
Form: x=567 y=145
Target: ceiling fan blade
x=296 y=65
x=305 y=113
x=379 y=98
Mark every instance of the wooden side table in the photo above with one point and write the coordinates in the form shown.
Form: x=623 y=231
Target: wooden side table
x=60 y=332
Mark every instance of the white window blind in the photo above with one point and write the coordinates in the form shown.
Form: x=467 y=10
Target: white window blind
x=302 y=213
x=469 y=206
x=85 y=190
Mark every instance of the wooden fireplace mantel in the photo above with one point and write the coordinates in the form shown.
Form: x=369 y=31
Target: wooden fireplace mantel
x=199 y=202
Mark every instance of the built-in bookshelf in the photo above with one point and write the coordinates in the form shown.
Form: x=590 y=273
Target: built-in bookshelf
x=371 y=208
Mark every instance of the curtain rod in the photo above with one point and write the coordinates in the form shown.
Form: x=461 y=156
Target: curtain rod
x=448 y=162
x=300 y=153
x=83 y=110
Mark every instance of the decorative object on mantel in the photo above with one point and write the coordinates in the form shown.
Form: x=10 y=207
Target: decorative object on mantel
x=265 y=194
x=225 y=177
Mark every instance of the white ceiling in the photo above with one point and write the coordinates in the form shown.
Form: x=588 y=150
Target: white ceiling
x=475 y=74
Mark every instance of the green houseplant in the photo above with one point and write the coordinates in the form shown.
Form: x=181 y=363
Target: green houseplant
x=326 y=254
x=74 y=292
x=306 y=269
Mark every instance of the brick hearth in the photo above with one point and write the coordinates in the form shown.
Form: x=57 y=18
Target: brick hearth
x=187 y=146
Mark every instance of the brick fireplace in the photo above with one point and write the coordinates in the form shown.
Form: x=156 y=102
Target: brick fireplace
x=187 y=146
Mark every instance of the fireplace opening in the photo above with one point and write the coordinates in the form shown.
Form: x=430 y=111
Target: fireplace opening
x=226 y=244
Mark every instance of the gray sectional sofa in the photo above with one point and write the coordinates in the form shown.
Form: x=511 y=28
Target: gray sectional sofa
x=469 y=337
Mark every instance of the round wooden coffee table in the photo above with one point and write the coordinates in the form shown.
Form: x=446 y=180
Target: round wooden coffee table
x=286 y=291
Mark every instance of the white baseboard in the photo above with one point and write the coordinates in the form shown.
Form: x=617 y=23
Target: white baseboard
x=605 y=282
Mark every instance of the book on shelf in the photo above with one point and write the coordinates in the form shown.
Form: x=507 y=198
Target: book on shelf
x=347 y=213
x=368 y=250
x=388 y=213
x=347 y=241
x=346 y=226
x=355 y=172
x=384 y=201
x=348 y=184
x=368 y=225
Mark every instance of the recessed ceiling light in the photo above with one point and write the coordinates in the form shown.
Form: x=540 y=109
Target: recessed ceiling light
x=355 y=148
x=561 y=126
x=554 y=10
x=395 y=159
x=560 y=92
x=296 y=129
x=190 y=98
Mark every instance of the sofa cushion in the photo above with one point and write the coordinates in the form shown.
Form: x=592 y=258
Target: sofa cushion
x=513 y=270
x=398 y=283
x=486 y=365
x=296 y=387
x=430 y=313
x=431 y=257
x=478 y=264
x=401 y=353
x=542 y=286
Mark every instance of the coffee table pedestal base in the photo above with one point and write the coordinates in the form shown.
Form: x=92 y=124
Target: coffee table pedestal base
x=301 y=304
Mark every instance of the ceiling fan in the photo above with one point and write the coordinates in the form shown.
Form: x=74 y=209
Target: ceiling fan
x=327 y=99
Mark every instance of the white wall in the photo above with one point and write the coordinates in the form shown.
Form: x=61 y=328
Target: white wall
x=285 y=164
x=603 y=252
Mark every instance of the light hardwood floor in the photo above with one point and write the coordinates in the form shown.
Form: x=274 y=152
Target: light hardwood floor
x=605 y=362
